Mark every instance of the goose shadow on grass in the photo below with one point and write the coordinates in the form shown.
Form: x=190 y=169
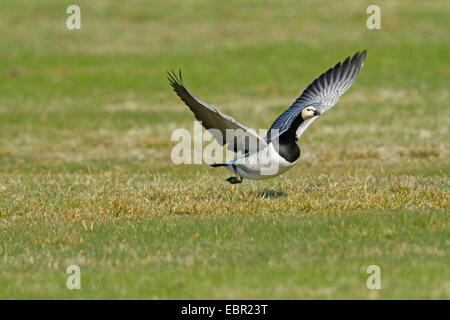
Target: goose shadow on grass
x=267 y=193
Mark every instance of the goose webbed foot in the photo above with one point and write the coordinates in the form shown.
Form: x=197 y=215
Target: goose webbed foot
x=234 y=180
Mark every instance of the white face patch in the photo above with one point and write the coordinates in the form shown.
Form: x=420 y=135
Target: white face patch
x=308 y=112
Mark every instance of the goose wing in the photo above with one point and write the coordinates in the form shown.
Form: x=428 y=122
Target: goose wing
x=239 y=139
x=323 y=94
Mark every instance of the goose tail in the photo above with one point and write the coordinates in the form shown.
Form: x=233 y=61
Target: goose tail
x=215 y=165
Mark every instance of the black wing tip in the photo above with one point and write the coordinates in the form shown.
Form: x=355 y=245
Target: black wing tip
x=175 y=79
x=359 y=57
x=363 y=55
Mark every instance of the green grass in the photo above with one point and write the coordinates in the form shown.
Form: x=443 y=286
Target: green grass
x=86 y=177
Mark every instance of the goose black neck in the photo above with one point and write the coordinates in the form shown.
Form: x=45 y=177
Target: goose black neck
x=289 y=136
x=286 y=146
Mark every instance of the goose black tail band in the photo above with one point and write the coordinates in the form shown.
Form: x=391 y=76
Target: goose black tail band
x=219 y=165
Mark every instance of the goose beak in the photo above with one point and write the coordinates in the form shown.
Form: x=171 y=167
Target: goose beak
x=316 y=113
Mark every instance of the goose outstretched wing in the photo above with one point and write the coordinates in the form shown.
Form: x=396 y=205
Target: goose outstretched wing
x=323 y=93
x=225 y=129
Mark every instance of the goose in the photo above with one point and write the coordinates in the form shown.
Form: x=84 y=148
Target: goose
x=270 y=156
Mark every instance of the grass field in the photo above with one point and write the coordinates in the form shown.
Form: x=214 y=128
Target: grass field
x=86 y=177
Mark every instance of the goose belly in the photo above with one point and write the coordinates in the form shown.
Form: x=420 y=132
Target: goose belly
x=264 y=164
